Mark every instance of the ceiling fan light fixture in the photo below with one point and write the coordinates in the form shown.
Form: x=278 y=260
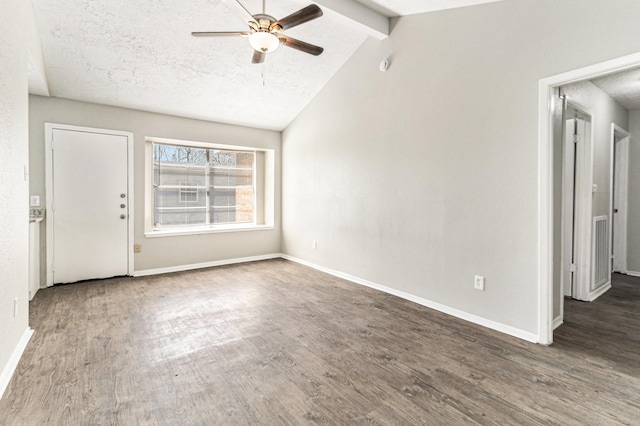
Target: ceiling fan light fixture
x=263 y=41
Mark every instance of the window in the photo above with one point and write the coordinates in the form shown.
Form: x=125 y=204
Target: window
x=189 y=193
x=195 y=186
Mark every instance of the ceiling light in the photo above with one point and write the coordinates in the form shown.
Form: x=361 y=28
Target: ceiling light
x=263 y=41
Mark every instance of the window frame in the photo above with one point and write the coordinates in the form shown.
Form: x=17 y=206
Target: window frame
x=263 y=191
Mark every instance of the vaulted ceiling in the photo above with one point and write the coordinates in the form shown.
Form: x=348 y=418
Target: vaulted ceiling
x=140 y=54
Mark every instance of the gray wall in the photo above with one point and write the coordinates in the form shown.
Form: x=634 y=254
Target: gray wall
x=14 y=156
x=166 y=251
x=633 y=230
x=604 y=111
x=421 y=177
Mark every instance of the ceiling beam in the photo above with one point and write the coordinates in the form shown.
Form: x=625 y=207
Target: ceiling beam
x=38 y=84
x=373 y=23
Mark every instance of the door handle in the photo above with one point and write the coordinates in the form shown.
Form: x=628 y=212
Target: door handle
x=122 y=216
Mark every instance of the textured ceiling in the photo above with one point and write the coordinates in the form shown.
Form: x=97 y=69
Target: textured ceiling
x=624 y=87
x=140 y=54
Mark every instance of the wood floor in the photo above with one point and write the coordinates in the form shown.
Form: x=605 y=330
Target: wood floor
x=276 y=343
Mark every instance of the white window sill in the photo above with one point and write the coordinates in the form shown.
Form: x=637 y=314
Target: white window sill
x=206 y=230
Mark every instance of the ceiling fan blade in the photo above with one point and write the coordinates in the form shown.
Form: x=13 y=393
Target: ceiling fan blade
x=241 y=10
x=258 y=57
x=219 y=33
x=300 y=17
x=300 y=45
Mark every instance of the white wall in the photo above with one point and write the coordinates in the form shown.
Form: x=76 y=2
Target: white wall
x=14 y=218
x=167 y=251
x=421 y=177
x=633 y=231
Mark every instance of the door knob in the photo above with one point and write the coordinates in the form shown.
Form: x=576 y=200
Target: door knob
x=122 y=216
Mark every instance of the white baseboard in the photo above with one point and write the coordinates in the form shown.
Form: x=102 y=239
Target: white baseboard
x=521 y=334
x=557 y=322
x=12 y=364
x=633 y=273
x=192 y=266
x=599 y=291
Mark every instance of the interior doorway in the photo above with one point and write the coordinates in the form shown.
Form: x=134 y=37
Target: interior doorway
x=551 y=292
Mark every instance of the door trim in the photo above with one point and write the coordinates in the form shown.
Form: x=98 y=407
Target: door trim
x=48 y=141
x=546 y=90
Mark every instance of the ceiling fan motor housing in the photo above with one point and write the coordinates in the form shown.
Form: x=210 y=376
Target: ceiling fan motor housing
x=264 y=37
x=265 y=23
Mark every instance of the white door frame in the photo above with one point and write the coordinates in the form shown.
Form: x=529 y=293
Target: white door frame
x=546 y=90
x=619 y=157
x=48 y=141
x=567 y=240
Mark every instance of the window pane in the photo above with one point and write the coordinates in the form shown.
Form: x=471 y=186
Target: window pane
x=198 y=186
x=231 y=186
x=179 y=185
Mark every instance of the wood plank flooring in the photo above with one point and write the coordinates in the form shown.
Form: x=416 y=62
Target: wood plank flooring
x=275 y=343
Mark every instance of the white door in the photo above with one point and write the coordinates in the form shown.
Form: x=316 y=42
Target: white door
x=620 y=200
x=90 y=205
x=583 y=266
x=576 y=206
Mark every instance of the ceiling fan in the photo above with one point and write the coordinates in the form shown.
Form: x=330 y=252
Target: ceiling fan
x=265 y=31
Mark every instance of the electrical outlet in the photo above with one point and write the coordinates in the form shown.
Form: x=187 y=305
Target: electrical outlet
x=137 y=248
x=314 y=245
x=478 y=283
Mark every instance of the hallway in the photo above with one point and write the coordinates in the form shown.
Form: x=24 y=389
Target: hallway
x=605 y=333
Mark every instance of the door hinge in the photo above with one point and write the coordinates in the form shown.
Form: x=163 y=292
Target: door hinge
x=573 y=267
